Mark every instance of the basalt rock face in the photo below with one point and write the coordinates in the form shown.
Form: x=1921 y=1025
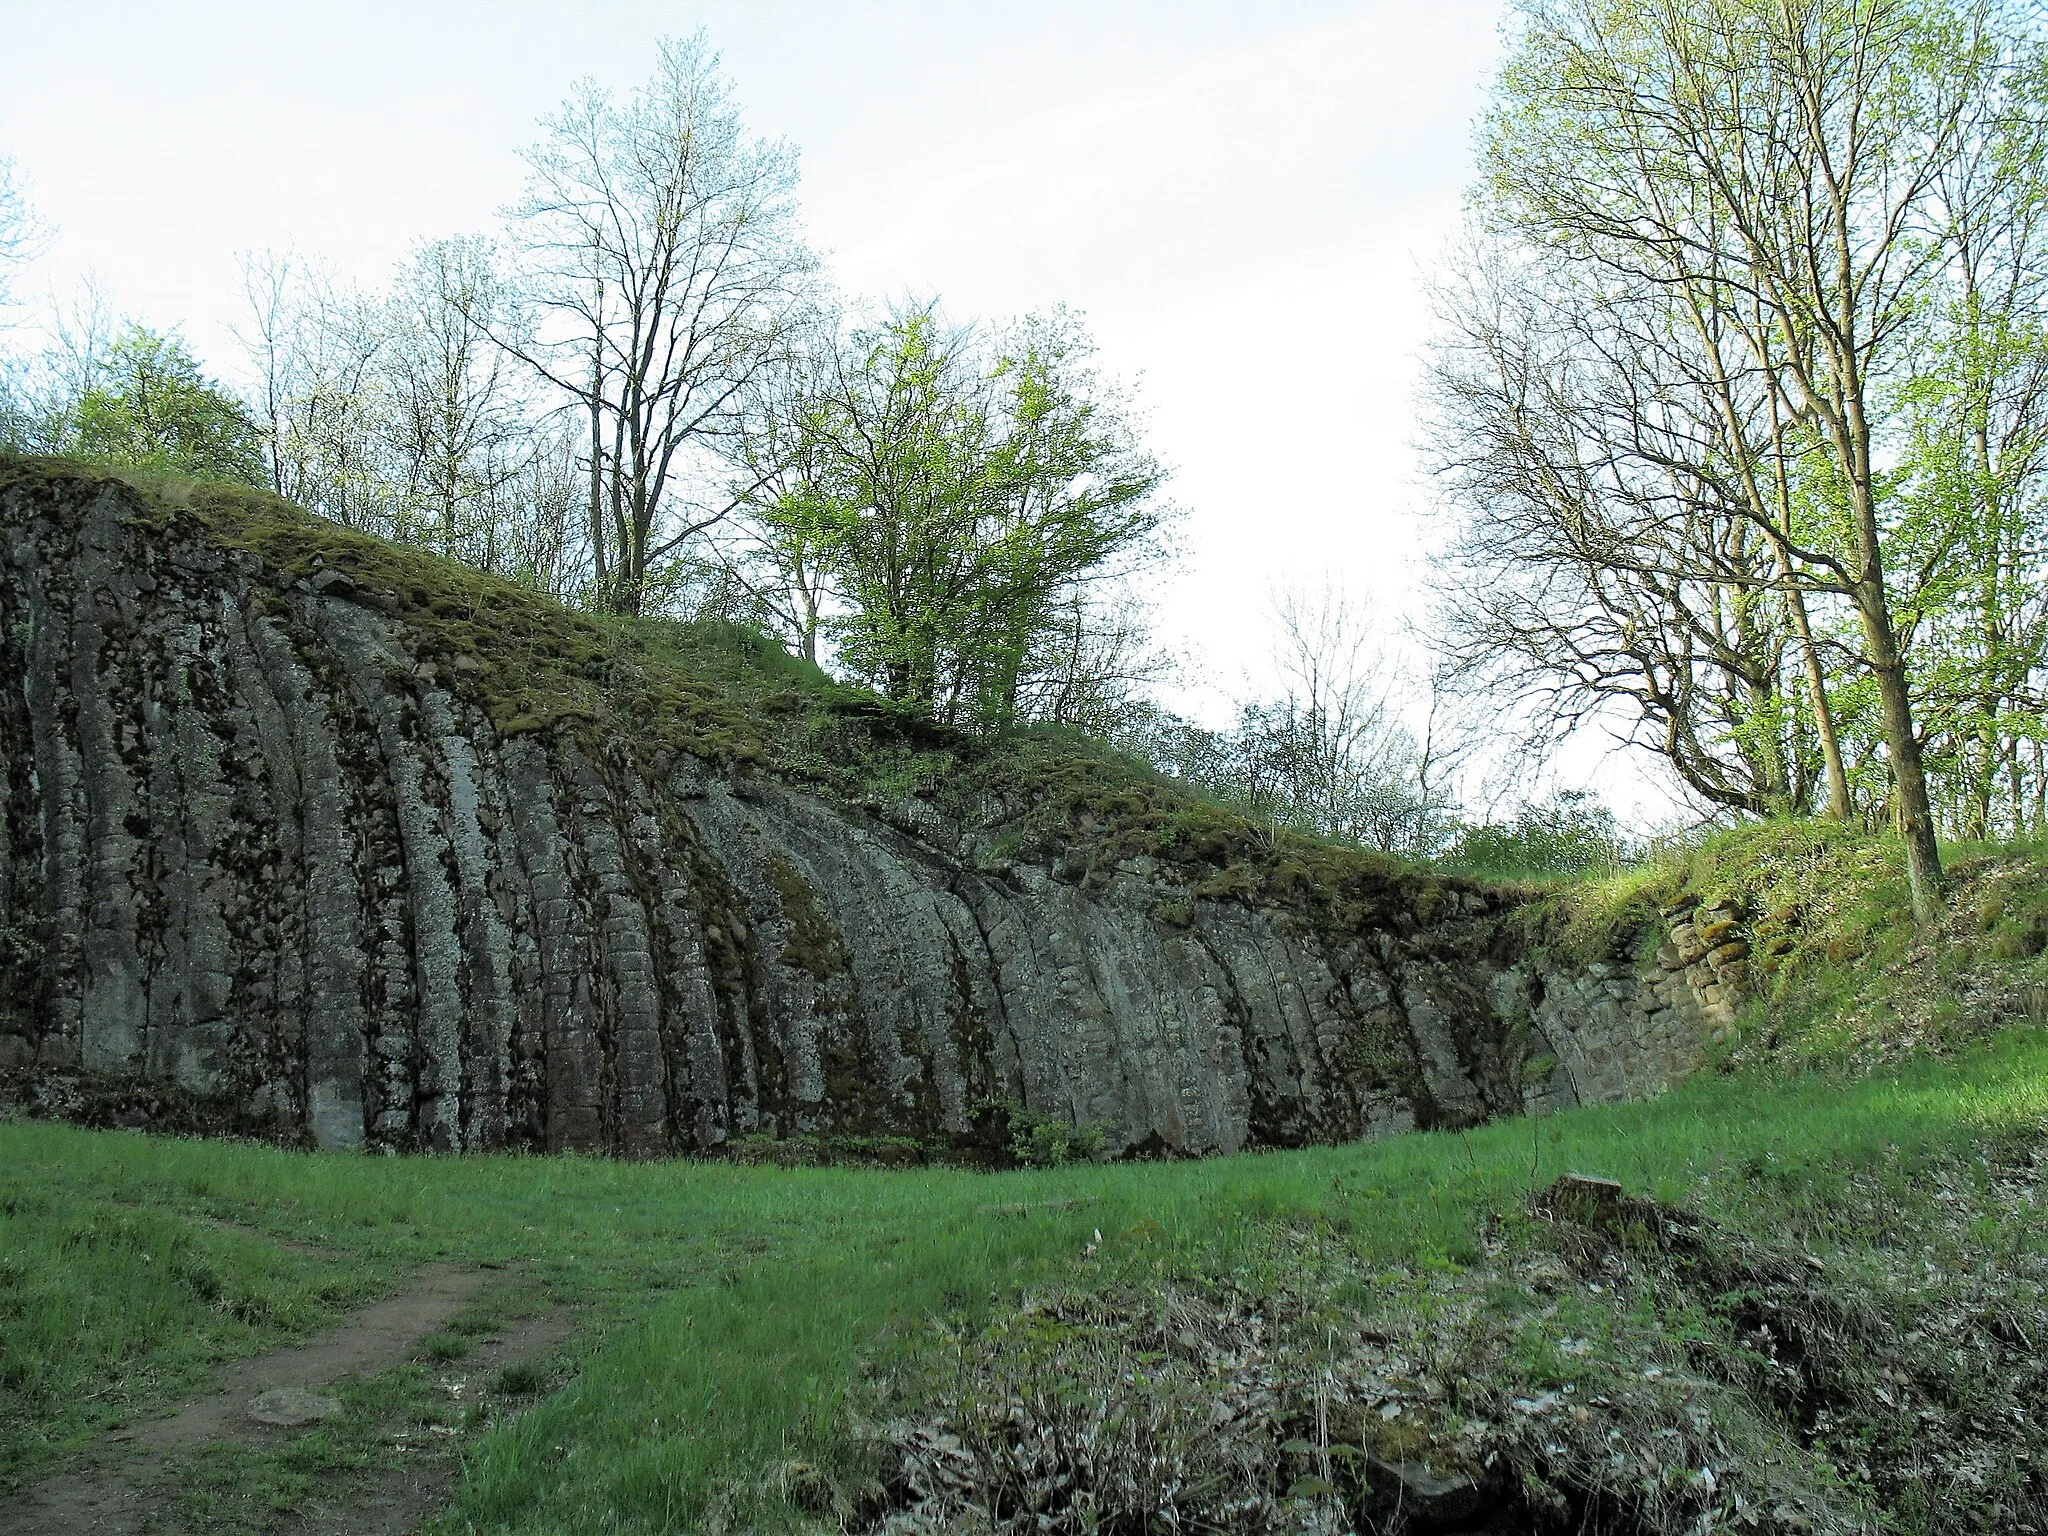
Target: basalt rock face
x=267 y=839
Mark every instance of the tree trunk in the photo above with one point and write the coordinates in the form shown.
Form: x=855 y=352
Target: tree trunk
x=1915 y=814
x=1823 y=712
x=1887 y=666
x=600 y=565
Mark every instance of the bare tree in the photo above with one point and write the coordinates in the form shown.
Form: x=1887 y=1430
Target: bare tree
x=41 y=413
x=780 y=554
x=1331 y=755
x=1354 y=769
x=667 y=271
x=317 y=346
x=531 y=528
x=1606 y=567
x=459 y=433
x=1092 y=664
x=22 y=236
x=397 y=413
x=271 y=338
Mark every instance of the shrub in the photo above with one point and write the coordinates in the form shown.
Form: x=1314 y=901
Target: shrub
x=1048 y=1141
x=1569 y=834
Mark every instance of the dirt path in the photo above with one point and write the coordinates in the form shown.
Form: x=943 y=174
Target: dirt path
x=396 y=1498
x=113 y=1487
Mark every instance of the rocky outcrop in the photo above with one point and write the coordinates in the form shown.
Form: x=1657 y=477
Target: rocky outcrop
x=1625 y=1029
x=269 y=835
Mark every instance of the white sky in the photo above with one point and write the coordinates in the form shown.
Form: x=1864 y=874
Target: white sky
x=1242 y=199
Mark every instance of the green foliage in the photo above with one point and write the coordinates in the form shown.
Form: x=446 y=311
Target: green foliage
x=1745 y=577
x=152 y=408
x=1051 y=1141
x=948 y=505
x=1570 y=834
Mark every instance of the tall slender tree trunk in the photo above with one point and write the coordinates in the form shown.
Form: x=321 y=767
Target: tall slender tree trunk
x=1914 y=812
x=1888 y=667
x=1989 y=745
x=2015 y=781
x=1830 y=738
x=599 y=560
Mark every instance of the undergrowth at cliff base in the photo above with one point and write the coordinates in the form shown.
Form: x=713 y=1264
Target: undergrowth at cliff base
x=1608 y=1364
x=802 y=1348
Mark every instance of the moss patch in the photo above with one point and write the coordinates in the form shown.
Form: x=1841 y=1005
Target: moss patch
x=722 y=693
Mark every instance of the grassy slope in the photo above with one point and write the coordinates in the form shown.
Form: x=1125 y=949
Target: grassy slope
x=737 y=1304
x=1844 y=977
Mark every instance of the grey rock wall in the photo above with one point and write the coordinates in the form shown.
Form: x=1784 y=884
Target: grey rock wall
x=261 y=842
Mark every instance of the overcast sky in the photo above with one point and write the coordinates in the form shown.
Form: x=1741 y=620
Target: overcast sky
x=1242 y=199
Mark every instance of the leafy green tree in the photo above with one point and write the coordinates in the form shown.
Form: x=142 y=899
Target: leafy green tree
x=1070 y=493
x=1794 y=188
x=907 y=430
x=152 y=408
x=941 y=506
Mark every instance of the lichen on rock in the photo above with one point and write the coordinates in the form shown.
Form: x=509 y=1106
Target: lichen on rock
x=409 y=858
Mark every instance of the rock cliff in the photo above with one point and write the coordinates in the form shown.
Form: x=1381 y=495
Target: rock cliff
x=408 y=858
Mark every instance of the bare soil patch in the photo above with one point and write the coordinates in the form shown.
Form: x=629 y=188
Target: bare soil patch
x=125 y=1482
x=398 y=1497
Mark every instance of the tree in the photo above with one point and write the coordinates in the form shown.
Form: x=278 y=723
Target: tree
x=1329 y=756
x=152 y=408
x=904 y=426
x=780 y=554
x=1607 y=567
x=21 y=236
x=458 y=435
x=1781 y=172
x=943 y=503
x=317 y=346
x=1071 y=505
x=397 y=413
x=21 y=239
x=667 y=272
x=1974 y=463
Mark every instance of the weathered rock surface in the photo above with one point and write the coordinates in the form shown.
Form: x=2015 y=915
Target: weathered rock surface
x=265 y=839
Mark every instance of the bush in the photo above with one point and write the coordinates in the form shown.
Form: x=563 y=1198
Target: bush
x=1047 y=1141
x=1569 y=834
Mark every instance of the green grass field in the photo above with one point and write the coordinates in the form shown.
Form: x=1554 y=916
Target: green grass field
x=735 y=1307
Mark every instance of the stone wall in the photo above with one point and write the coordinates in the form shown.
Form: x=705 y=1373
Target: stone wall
x=265 y=843
x=1626 y=1029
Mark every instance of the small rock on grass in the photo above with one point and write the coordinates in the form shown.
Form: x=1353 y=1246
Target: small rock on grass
x=292 y=1407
